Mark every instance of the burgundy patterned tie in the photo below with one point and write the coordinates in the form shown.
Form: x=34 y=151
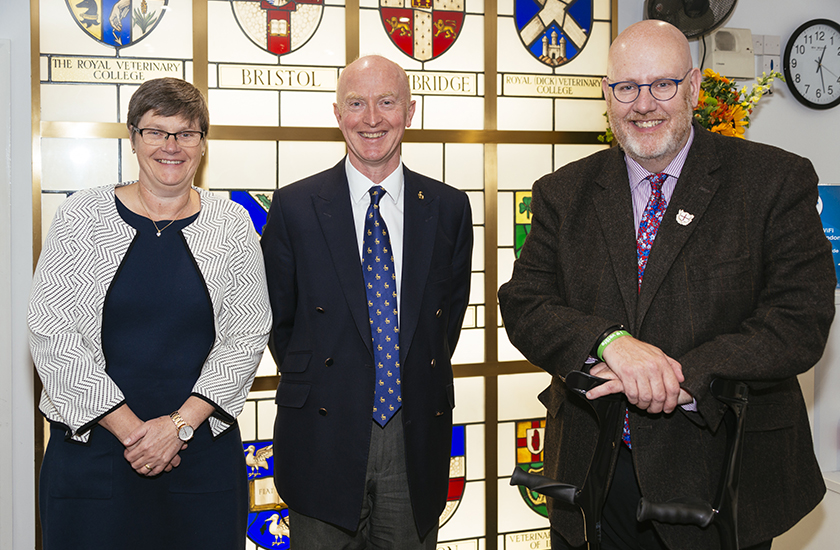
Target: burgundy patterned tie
x=651 y=219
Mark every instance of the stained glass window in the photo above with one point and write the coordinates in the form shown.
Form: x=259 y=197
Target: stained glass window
x=506 y=92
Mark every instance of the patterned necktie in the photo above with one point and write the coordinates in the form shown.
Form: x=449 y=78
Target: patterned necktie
x=381 y=289
x=651 y=219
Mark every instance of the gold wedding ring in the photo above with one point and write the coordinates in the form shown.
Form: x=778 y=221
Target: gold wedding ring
x=148 y=467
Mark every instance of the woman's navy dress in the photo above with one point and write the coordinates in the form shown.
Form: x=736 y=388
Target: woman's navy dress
x=157 y=330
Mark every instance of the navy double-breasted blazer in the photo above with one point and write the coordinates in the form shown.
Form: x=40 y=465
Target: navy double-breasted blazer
x=321 y=342
x=739 y=284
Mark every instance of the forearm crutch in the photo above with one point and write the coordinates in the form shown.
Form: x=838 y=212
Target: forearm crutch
x=590 y=498
x=724 y=513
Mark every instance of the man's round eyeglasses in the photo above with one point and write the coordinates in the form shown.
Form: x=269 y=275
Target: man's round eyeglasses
x=661 y=89
x=155 y=137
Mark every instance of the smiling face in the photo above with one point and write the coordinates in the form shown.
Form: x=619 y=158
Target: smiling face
x=168 y=169
x=373 y=108
x=651 y=132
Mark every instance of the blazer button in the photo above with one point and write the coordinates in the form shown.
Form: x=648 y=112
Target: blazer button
x=438 y=313
x=319 y=309
x=322 y=412
x=433 y=363
x=329 y=362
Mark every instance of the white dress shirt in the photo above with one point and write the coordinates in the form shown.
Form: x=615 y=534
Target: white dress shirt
x=390 y=207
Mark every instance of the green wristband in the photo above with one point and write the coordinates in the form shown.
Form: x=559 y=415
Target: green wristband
x=609 y=340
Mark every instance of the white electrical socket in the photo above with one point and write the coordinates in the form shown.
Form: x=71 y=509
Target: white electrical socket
x=770 y=63
x=772 y=46
x=758 y=44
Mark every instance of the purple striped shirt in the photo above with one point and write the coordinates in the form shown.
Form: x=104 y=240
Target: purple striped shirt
x=640 y=185
x=640 y=191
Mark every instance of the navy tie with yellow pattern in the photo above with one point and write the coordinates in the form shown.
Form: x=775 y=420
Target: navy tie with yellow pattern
x=381 y=289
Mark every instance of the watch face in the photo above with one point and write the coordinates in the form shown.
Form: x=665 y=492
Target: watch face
x=185 y=433
x=812 y=64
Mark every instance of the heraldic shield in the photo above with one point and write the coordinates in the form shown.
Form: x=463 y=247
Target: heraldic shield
x=422 y=29
x=278 y=26
x=553 y=31
x=457 y=473
x=117 y=23
x=268 y=515
x=530 y=441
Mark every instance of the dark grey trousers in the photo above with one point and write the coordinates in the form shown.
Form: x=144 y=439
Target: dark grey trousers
x=387 y=521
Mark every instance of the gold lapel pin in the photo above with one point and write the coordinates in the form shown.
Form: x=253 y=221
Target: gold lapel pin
x=420 y=195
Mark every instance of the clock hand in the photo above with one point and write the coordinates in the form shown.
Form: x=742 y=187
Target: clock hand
x=820 y=68
x=829 y=70
x=822 y=80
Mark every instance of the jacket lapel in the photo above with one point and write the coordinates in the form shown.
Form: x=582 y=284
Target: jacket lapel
x=614 y=208
x=692 y=195
x=335 y=215
x=421 y=215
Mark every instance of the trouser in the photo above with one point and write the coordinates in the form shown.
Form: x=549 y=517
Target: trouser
x=387 y=520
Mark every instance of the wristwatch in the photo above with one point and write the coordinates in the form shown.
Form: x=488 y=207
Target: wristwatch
x=185 y=431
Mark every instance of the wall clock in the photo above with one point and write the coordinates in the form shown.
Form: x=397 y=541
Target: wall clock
x=812 y=64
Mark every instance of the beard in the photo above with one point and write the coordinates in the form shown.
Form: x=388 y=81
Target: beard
x=662 y=146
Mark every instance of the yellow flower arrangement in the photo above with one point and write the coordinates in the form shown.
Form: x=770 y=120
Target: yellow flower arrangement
x=721 y=107
x=724 y=109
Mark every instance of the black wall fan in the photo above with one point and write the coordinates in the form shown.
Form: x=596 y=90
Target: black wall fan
x=693 y=17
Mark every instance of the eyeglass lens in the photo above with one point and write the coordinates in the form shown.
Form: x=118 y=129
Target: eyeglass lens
x=662 y=89
x=153 y=136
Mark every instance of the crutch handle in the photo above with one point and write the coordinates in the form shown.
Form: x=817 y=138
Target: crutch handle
x=562 y=492
x=685 y=511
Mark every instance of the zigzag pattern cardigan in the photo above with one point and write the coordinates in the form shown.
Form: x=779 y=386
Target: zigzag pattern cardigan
x=84 y=248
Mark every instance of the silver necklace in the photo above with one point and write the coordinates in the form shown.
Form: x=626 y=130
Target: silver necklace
x=159 y=229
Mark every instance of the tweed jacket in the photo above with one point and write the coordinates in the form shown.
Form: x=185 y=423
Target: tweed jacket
x=739 y=284
x=322 y=344
x=84 y=248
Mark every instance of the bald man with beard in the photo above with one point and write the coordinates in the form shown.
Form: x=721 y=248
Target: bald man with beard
x=678 y=257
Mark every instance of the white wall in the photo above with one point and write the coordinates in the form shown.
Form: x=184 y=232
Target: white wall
x=782 y=121
x=17 y=478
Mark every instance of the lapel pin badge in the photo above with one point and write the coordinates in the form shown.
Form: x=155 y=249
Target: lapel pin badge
x=684 y=218
x=420 y=195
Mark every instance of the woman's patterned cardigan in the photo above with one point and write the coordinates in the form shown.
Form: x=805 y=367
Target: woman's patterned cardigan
x=84 y=248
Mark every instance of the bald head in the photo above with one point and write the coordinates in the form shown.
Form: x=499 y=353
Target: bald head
x=373 y=108
x=374 y=67
x=650 y=42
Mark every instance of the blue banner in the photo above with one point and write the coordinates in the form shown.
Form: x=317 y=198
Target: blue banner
x=829 y=208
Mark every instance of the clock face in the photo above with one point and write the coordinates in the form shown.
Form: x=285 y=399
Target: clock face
x=812 y=64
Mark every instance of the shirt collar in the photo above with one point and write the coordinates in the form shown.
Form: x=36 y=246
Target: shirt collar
x=360 y=184
x=637 y=174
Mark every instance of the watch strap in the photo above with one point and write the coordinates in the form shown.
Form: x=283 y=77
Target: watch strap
x=176 y=418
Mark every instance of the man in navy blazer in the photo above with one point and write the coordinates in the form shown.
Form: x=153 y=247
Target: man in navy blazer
x=738 y=284
x=348 y=481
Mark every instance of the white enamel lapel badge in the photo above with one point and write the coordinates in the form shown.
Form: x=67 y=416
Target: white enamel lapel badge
x=684 y=218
